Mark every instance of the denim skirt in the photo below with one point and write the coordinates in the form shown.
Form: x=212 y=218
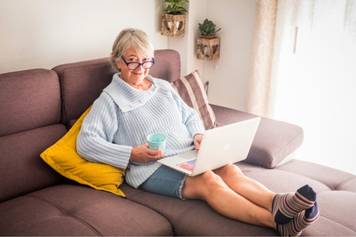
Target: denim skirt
x=165 y=181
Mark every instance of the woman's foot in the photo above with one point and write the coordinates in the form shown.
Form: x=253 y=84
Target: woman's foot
x=300 y=222
x=287 y=206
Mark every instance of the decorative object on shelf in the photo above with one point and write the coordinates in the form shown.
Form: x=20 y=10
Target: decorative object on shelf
x=173 y=19
x=208 y=43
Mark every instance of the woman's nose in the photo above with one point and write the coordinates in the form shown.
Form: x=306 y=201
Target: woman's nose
x=139 y=69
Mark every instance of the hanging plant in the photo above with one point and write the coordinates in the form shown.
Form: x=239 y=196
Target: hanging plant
x=173 y=19
x=208 y=44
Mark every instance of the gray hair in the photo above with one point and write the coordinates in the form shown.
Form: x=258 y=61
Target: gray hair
x=128 y=38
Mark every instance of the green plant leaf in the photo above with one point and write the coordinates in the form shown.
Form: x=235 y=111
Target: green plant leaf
x=175 y=6
x=208 y=28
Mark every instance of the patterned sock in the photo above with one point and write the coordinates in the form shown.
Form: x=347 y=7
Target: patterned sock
x=286 y=206
x=300 y=222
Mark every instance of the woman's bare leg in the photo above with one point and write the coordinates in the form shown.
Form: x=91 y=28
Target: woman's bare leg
x=246 y=187
x=292 y=212
x=211 y=188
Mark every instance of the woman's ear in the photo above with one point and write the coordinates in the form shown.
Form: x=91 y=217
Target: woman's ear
x=118 y=64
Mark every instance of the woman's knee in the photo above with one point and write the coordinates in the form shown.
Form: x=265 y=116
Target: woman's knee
x=230 y=171
x=209 y=178
x=202 y=185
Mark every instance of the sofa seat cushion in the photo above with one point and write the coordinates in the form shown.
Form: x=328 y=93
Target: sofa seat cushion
x=337 y=206
x=29 y=215
x=342 y=210
x=77 y=210
x=335 y=220
x=280 y=180
x=193 y=217
x=333 y=178
x=274 y=141
x=349 y=185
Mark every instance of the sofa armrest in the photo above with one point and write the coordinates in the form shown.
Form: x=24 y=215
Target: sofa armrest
x=273 y=142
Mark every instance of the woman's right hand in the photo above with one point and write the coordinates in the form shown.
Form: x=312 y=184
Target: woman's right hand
x=144 y=154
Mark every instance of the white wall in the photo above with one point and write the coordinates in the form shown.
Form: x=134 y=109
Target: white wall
x=230 y=74
x=186 y=44
x=43 y=33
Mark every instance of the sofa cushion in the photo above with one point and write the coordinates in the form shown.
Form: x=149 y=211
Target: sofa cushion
x=192 y=91
x=327 y=227
x=28 y=99
x=349 y=185
x=335 y=220
x=194 y=217
x=82 y=82
x=280 y=180
x=273 y=142
x=63 y=157
x=21 y=168
x=65 y=210
x=167 y=65
x=30 y=216
x=343 y=205
x=333 y=178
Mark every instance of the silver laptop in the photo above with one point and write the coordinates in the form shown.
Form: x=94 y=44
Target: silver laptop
x=220 y=146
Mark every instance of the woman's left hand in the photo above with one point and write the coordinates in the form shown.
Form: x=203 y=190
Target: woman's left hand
x=197 y=140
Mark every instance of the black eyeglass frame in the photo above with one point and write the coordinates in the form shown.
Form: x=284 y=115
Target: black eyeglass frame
x=152 y=61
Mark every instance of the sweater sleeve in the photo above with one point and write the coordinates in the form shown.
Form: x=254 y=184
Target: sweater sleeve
x=190 y=117
x=95 y=139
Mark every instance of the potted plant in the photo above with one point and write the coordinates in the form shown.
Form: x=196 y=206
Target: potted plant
x=208 y=43
x=173 y=19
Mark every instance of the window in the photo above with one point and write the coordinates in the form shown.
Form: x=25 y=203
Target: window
x=315 y=77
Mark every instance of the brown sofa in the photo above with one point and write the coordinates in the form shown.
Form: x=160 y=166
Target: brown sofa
x=38 y=106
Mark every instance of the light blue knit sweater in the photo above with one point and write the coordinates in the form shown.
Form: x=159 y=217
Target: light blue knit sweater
x=122 y=117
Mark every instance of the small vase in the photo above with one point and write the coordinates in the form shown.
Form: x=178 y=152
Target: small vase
x=208 y=47
x=172 y=25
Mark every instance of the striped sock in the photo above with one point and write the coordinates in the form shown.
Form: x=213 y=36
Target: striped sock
x=286 y=206
x=300 y=222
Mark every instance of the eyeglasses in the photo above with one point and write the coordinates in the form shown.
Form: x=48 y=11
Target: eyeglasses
x=135 y=65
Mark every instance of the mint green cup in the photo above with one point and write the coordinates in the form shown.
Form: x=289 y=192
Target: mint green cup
x=157 y=141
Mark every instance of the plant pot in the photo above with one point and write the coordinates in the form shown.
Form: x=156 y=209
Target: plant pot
x=172 y=25
x=208 y=48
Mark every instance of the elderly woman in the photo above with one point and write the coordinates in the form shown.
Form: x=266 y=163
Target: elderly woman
x=135 y=105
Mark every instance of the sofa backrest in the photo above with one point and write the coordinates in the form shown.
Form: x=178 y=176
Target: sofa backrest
x=82 y=82
x=29 y=122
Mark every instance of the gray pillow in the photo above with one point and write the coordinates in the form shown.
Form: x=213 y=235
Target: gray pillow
x=274 y=141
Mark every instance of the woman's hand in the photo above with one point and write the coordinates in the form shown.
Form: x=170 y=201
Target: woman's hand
x=144 y=154
x=197 y=140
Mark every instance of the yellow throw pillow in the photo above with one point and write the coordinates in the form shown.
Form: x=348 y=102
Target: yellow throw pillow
x=63 y=158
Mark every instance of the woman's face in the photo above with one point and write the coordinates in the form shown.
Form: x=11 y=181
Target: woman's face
x=129 y=72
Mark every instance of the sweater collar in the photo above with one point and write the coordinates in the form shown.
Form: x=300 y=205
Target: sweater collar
x=127 y=97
